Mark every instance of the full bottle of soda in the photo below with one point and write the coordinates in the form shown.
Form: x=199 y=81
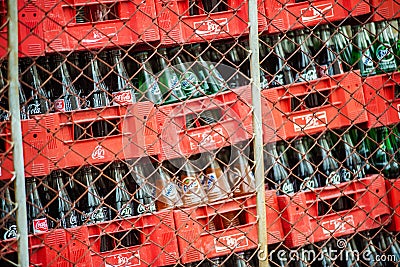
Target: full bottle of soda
x=240 y=175
x=124 y=92
x=147 y=82
x=351 y=160
x=303 y=61
x=91 y=204
x=189 y=81
x=7 y=212
x=168 y=81
x=69 y=99
x=281 y=72
x=37 y=221
x=384 y=156
x=329 y=63
x=39 y=101
x=190 y=182
x=144 y=192
x=363 y=51
x=277 y=173
x=123 y=200
x=214 y=181
x=65 y=212
x=383 y=48
x=167 y=193
x=303 y=170
x=99 y=96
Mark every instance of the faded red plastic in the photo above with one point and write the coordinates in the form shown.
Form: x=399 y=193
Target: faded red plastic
x=30 y=28
x=303 y=225
x=134 y=24
x=385 y=9
x=286 y=15
x=234 y=125
x=393 y=194
x=158 y=245
x=198 y=241
x=178 y=27
x=381 y=102
x=344 y=107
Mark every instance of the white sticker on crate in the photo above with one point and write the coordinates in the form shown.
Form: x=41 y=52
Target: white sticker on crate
x=339 y=225
x=209 y=27
x=398 y=110
x=123 y=260
x=317 y=12
x=226 y=243
x=310 y=121
x=207 y=139
x=98 y=152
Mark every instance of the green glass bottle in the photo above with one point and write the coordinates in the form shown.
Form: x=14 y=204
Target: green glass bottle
x=147 y=83
x=383 y=49
x=384 y=158
x=168 y=81
x=363 y=51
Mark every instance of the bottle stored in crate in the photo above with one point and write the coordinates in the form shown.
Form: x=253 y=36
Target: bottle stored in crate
x=35 y=211
x=329 y=168
x=384 y=156
x=69 y=99
x=304 y=171
x=65 y=211
x=383 y=48
x=123 y=200
x=147 y=82
x=240 y=175
x=93 y=209
x=353 y=167
x=329 y=63
x=39 y=101
x=167 y=193
x=124 y=92
x=303 y=61
x=214 y=181
x=9 y=227
x=280 y=72
x=190 y=181
x=363 y=51
x=277 y=173
x=144 y=192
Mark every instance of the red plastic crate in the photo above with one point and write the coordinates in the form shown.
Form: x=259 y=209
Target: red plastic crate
x=385 y=9
x=47 y=249
x=198 y=241
x=393 y=194
x=285 y=15
x=178 y=27
x=133 y=24
x=135 y=135
x=158 y=245
x=183 y=134
x=381 y=103
x=30 y=28
x=302 y=223
x=344 y=107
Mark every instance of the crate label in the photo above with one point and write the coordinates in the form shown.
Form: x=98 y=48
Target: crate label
x=310 y=121
x=226 y=243
x=105 y=35
x=98 y=152
x=123 y=260
x=317 y=12
x=209 y=27
x=40 y=225
x=123 y=97
x=339 y=225
x=398 y=112
x=207 y=139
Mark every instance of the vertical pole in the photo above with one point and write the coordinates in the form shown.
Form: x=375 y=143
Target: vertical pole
x=16 y=133
x=258 y=132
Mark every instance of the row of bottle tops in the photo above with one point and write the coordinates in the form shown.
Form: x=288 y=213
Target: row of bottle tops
x=167 y=75
x=331 y=158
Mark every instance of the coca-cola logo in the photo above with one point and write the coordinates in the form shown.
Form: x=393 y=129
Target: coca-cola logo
x=146 y=208
x=190 y=185
x=308 y=183
x=287 y=187
x=73 y=220
x=11 y=232
x=98 y=152
x=97 y=216
x=34 y=108
x=123 y=97
x=40 y=225
x=333 y=178
x=126 y=212
x=59 y=105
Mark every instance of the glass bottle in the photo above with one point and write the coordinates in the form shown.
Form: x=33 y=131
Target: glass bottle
x=35 y=211
x=124 y=93
x=329 y=63
x=240 y=175
x=304 y=171
x=38 y=104
x=123 y=202
x=167 y=193
x=383 y=49
x=214 y=181
x=147 y=82
x=384 y=157
x=363 y=51
x=328 y=166
x=192 y=191
x=7 y=212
